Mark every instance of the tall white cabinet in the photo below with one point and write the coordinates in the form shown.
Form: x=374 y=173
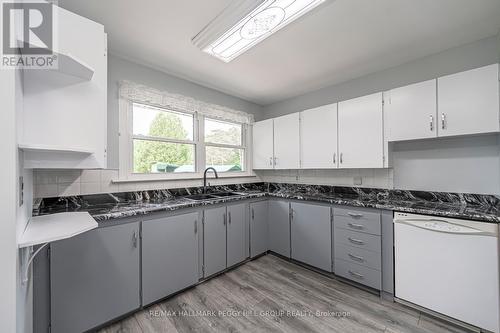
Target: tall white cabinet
x=318 y=137
x=361 y=132
x=64 y=122
x=468 y=102
x=411 y=112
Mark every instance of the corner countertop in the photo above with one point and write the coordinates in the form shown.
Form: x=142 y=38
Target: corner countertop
x=104 y=207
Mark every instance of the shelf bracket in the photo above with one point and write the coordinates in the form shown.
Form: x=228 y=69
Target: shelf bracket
x=30 y=261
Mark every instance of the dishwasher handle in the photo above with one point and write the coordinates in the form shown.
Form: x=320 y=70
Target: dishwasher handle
x=438 y=225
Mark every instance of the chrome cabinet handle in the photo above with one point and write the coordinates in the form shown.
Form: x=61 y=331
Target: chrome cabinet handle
x=195 y=226
x=253 y=214
x=270 y=161
x=356 y=241
x=275 y=161
x=224 y=217
x=334 y=158
x=356 y=226
x=431 y=123
x=357 y=258
x=357 y=275
x=341 y=158
x=443 y=120
x=134 y=239
x=229 y=217
x=355 y=215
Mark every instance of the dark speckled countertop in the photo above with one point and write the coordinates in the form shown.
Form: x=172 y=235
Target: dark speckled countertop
x=104 y=207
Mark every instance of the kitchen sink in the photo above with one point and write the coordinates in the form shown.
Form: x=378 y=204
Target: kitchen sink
x=200 y=197
x=226 y=194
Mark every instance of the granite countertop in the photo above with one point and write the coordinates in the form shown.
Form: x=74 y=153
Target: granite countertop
x=103 y=207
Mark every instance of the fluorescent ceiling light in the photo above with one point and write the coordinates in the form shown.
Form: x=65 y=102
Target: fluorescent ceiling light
x=255 y=21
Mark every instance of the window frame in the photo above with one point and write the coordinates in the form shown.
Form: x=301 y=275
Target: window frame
x=126 y=150
x=243 y=146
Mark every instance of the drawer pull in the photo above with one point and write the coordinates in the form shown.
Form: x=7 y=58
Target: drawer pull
x=357 y=258
x=356 y=275
x=356 y=241
x=355 y=215
x=356 y=226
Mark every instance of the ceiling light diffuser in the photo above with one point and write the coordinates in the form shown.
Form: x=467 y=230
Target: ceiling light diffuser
x=246 y=23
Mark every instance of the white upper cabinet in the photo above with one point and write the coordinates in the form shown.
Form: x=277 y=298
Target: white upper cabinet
x=287 y=142
x=318 y=137
x=410 y=112
x=468 y=102
x=361 y=132
x=65 y=111
x=263 y=143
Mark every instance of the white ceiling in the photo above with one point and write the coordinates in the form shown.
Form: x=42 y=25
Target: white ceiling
x=339 y=41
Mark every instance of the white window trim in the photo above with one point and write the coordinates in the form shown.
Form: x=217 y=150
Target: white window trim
x=131 y=93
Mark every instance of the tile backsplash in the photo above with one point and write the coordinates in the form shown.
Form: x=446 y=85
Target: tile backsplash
x=378 y=178
x=54 y=183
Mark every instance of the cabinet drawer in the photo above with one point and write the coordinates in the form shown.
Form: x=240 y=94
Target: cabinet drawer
x=359 y=256
x=358 y=220
x=358 y=239
x=363 y=275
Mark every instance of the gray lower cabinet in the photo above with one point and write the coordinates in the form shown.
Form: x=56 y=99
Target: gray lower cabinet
x=258 y=228
x=236 y=233
x=279 y=227
x=214 y=241
x=94 y=277
x=358 y=245
x=169 y=256
x=311 y=233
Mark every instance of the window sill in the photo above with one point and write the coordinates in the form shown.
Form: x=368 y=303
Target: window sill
x=194 y=177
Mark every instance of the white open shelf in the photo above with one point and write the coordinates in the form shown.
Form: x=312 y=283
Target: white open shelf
x=49 y=228
x=54 y=149
x=70 y=65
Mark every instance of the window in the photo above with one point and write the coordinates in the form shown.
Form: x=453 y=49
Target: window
x=224 y=149
x=162 y=140
x=162 y=143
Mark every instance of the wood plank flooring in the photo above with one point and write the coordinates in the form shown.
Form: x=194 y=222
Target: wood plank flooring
x=272 y=295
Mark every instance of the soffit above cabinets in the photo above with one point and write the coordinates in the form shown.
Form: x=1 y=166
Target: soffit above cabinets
x=336 y=42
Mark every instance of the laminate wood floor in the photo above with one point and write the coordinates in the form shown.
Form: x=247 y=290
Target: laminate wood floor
x=273 y=295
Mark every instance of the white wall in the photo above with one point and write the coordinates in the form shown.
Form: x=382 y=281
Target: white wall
x=8 y=243
x=120 y=69
x=469 y=164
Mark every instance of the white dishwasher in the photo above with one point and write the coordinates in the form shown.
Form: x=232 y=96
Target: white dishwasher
x=449 y=266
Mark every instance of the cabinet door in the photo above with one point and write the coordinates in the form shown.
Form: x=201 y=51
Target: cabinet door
x=263 y=152
x=468 y=102
x=279 y=227
x=214 y=240
x=94 y=278
x=361 y=132
x=236 y=218
x=286 y=142
x=411 y=111
x=311 y=231
x=169 y=256
x=318 y=137
x=258 y=228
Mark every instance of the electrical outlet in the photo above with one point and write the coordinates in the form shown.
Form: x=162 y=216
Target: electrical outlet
x=357 y=180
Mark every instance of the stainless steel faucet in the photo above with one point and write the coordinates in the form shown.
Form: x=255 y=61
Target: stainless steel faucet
x=205 y=178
